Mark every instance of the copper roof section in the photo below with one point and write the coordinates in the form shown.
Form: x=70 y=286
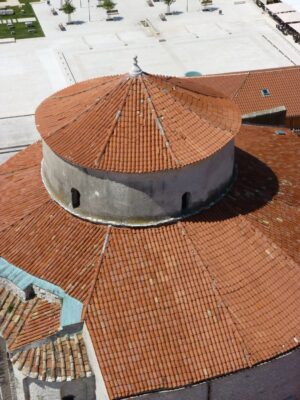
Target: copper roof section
x=130 y=123
x=181 y=303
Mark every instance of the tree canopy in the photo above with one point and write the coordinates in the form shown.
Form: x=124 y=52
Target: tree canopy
x=108 y=5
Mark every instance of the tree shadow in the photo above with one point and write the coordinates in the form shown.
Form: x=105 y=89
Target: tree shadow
x=208 y=9
x=79 y=22
x=174 y=13
x=112 y=19
x=253 y=186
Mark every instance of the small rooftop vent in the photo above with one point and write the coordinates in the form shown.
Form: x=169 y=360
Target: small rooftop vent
x=265 y=92
x=280 y=132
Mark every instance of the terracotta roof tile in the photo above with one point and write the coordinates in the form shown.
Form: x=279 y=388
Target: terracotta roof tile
x=177 y=304
x=59 y=360
x=23 y=322
x=245 y=88
x=129 y=124
x=29 y=322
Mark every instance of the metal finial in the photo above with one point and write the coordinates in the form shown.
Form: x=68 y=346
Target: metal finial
x=135 y=70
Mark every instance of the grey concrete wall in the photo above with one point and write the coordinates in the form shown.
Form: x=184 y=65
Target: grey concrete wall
x=82 y=389
x=137 y=198
x=196 y=392
x=278 y=379
x=21 y=389
x=7 y=385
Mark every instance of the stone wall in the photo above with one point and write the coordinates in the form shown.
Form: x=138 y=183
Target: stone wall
x=278 y=379
x=34 y=389
x=5 y=283
x=137 y=198
x=7 y=387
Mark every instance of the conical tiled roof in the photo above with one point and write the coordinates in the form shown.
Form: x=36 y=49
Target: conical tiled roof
x=130 y=123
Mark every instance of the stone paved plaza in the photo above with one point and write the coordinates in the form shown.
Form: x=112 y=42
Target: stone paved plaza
x=242 y=38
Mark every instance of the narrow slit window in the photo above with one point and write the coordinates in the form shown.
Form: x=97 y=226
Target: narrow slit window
x=75 y=198
x=185 y=201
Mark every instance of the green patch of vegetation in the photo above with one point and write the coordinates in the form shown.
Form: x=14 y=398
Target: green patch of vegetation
x=10 y=307
x=20 y=30
x=108 y=5
x=25 y=11
x=28 y=1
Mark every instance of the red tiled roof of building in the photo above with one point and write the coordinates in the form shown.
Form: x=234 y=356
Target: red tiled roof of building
x=64 y=358
x=28 y=326
x=221 y=288
x=127 y=124
x=244 y=88
x=24 y=322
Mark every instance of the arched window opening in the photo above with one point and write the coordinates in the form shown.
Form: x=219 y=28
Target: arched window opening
x=185 y=201
x=75 y=198
x=69 y=397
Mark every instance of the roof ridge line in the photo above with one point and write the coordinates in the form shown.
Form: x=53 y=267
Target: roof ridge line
x=204 y=118
x=267 y=240
x=97 y=270
x=20 y=169
x=242 y=85
x=260 y=71
x=177 y=85
x=25 y=310
x=26 y=215
x=10 y=314
x=215 y=288
x=112 y=129
x=85 y=90
x=160 y=126
x=77 y=117
x=25 y=320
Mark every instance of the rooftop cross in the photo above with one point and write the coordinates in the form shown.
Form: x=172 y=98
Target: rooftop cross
x=135 y=70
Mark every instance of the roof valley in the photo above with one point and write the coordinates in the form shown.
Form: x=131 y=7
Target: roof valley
x=96 y=102
x=216 y=289
x=114 y=124
x=96 y=274
x=168 y=143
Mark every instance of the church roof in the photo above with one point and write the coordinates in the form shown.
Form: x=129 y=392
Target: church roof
x=181 y=303
x=130 y=123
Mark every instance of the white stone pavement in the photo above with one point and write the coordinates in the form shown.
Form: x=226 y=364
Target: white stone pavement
x=242 y=38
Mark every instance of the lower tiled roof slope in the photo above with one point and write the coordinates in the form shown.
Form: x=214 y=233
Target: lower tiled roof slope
x=29 y=328
x=24 y=322
x=177 y=304
x=59 y=360
x=245 y=88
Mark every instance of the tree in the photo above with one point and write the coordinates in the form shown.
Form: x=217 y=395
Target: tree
x=108 y=5
x=168 y=3
x=68 y=9
x=206 y=2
